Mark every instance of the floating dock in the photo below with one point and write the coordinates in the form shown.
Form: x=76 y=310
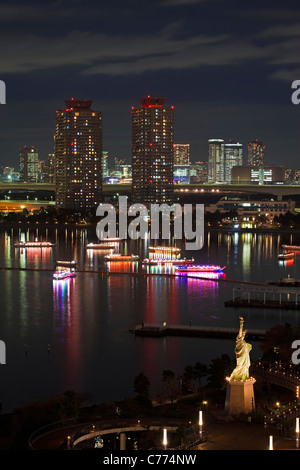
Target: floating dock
x=160 y=331
x=271 y=296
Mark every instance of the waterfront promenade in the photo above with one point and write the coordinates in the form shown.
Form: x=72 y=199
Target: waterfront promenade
x=221 y=435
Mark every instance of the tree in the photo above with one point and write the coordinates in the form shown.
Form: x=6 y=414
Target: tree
x=277 y=342
x=141 y=386
x=218 y=370
x=200 y=370
x=169 y=383
x=188 y=377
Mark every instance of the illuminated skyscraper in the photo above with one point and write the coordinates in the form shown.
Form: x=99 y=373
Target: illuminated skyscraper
x=105 y=171
x=29 y=164
x=233 y=157
x=181 y=154
x=216 y=163
x=78 y=155
x=152 y=151
x=256 y=153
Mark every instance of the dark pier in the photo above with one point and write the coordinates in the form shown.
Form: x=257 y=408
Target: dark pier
x=160 y=331
x=270 y=296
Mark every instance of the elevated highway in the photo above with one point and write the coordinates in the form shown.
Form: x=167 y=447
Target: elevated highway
x=276 y=190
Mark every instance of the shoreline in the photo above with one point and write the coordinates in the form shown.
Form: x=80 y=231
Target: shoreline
x=91 y=225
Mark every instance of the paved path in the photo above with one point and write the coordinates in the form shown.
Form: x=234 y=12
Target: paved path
x=221 y=436
x=243 y=436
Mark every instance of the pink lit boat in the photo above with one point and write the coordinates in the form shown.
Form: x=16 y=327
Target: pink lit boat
x=206 y=268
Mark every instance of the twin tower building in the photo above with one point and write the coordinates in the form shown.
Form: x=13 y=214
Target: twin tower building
x=78 y=153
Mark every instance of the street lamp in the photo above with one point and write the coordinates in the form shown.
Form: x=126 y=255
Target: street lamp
x=297 y=432
x=270 y=442
x=165 y=439
x=200 y=424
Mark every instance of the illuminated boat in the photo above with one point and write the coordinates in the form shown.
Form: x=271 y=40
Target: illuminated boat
x=111 y=240
x=203 y=268
x=162 y=249
x=287 y=255
x=66 y=263
x=35 y=244
x=291 y=247
x=100 y=246
x=160 y=261
x=60 y=275
x=117 y=257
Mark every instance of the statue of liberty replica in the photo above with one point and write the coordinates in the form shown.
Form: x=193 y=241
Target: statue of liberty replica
x=240 y=392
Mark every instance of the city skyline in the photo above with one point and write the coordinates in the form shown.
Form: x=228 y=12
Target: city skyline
x=149 y=213
x=228 y=74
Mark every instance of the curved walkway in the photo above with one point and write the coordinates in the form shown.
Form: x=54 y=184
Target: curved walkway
x=69 y=436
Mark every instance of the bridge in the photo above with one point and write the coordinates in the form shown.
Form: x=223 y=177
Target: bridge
x=277 y=190
x=16 y=185
x=277 y=375
x=69 y=435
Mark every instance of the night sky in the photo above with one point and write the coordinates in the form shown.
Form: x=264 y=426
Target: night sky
x=226 y=66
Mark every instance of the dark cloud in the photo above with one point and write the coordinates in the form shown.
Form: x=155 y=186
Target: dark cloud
x=226 y=66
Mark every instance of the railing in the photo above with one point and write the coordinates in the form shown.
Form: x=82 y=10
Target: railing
x=47 y=429
x=283 y=418
x=277 y=375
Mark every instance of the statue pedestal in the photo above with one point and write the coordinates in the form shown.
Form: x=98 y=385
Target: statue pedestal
x=240 y=396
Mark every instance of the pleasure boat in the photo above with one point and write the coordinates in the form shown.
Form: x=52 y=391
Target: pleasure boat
x=100 y=246
x=60 y=275
x=160 y=261
x=291 y=247
x=159 y=249
x=35 y=244
x=286 y=255
x=111 y=240
x=117 y=257
x=71 y=264
x=204 y=268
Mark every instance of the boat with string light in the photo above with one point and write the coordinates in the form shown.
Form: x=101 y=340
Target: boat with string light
x=111 y=240
x=168 y=261
x=117 y=257
x=35 y=244
x=203 y=268
x=164 y=249
x=291 y=247
x=71 y=264
x=286 y=255
x=61 y=275
x=100 y=246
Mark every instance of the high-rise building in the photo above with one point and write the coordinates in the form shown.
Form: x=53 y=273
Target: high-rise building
x=181 y=154
x=117 y=172
x=292 y=176
x=233 y=157
x=199 y=172
x=182 y=174
x=105 y=171
x=29 y=164
x=256 y=153
x=216 y=162
x=257 y=174
x=48 y=169
x=78 y=155
x=152 y=152
x=126 y=171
